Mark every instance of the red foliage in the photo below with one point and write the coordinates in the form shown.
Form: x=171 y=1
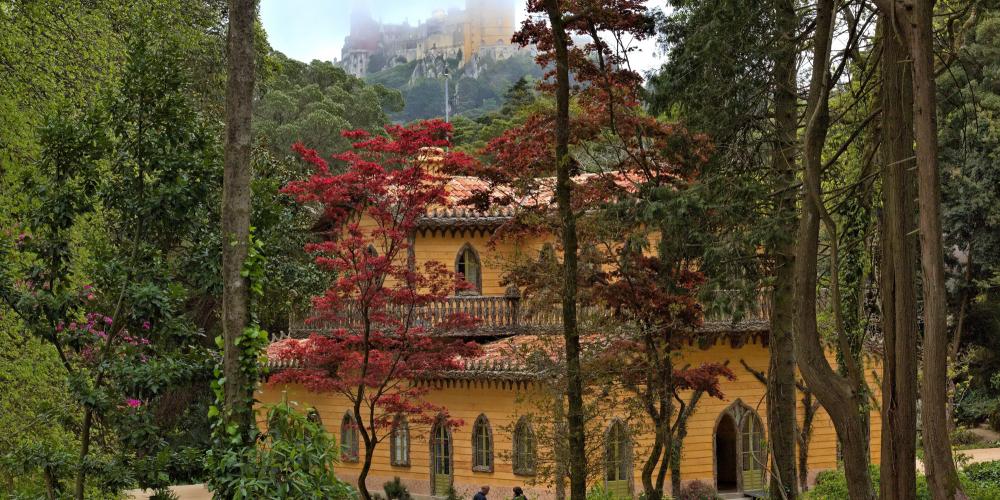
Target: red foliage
x=370 y=211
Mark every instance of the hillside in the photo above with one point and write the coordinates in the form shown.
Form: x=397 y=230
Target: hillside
x=422 y=85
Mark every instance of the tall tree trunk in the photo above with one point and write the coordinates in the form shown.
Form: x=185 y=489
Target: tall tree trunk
x=236 y=207
x=942 y=476
x=898 y=261
x=843 y=397
x=781 y=371
x=564 y=168
x=805 y=436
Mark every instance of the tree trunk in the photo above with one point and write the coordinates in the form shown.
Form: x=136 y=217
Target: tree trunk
x=805 y=437
x=843 y=397
x=564 y=167
x=896 y=284
x=942 y=476
x=81 y=475
x=238 y=391
x=781 y=371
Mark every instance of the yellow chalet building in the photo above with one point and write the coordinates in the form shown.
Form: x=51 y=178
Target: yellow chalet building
x=506 y=439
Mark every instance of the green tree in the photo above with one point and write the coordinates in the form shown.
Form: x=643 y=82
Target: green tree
x=311 y=103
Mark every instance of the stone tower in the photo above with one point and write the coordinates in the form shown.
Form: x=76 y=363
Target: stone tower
x=488 y=23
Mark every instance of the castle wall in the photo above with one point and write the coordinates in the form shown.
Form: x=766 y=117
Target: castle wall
x=484 y=24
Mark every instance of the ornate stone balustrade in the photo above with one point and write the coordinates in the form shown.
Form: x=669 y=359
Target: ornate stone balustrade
x=508 y=314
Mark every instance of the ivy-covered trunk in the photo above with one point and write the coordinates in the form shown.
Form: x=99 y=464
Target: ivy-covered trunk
x=845 y=397
x=238 y=390
x=781 y=371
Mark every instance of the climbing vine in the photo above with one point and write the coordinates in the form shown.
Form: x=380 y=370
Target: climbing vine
x=230 y=441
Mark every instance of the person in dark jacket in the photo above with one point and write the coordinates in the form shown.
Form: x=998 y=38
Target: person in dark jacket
x=519 y=494
x=482 y=493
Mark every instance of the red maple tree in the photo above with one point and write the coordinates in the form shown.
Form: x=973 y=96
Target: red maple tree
x=378 y=346
x=625 y=170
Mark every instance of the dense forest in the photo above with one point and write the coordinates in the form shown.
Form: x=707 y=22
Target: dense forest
x=842 y=156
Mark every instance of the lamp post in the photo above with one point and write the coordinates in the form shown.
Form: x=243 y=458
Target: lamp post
x=447 y=103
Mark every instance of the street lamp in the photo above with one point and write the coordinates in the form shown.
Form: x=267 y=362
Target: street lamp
x=447 y=103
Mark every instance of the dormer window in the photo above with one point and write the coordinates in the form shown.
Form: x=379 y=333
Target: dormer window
x=467 y=265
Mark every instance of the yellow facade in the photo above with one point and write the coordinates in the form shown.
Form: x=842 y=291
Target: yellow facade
x=503 y=402
x=488 y=23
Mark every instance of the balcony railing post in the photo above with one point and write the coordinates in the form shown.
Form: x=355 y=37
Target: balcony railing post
x=513 y=296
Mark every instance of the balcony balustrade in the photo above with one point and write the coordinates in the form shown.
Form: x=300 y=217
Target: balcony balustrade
x=510 y=313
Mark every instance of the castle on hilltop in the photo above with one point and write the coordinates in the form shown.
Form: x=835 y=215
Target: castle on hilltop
x=483 y=29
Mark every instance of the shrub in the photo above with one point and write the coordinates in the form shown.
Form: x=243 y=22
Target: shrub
x=832 y=484
x=395 y=490
x=984 y=472
x=698 y=490
x=962 y=436
x=294 y=458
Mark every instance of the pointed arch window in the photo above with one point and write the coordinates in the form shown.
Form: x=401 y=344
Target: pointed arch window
x=441 y=457
x=348 y=439
x=482 y=445
x=468 y=265
x=399 y=443
x=617 y=460
x=525 y=452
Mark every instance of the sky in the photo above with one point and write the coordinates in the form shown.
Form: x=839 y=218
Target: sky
x=315 y=29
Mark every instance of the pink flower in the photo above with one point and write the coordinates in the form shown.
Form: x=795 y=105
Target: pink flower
x=90 y=296
x=146 y=325
x=108 y=320
x=59 y=327
x=133 y=403
x=72 y=325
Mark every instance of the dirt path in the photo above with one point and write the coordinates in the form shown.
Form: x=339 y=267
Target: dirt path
x=186 y=492
x=975 y=456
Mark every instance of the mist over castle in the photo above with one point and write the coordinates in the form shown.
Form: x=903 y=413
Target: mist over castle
x=482 y=30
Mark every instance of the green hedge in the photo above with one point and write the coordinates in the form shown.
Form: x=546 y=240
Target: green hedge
x=981 y=482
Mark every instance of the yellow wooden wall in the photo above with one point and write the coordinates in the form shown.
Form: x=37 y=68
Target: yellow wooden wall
x=503 y=405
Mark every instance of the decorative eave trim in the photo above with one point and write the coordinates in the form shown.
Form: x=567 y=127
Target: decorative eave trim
x=458 y=217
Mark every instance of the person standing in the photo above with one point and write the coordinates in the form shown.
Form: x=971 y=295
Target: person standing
x=519 y=494
x=485 y=490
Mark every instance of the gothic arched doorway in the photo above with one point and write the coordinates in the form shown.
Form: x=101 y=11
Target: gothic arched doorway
x=726 y=454
x=740 y=450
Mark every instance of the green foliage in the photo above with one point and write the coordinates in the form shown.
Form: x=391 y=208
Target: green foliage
x=600 y=493
x=312 y=103
x=984 y=472
x=395 y=490
x=980 y=482
x=832 y=484
x=969 y=138
x=230 y=440
x=35 y=411
x=293 y=458
x=519 y=101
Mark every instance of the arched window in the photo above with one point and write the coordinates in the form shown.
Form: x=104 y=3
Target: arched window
x=467 y=264
x=617 y=458
x=482 y=445
x=524 y=448
x=440 y=457
x=399 y=443
x=348 y=439
x=753 y=451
